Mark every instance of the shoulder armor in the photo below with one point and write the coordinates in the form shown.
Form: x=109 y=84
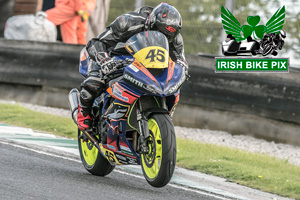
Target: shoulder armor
x=177 y=48
x=178 y=41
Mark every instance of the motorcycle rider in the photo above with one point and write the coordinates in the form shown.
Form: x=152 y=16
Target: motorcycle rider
x=164 y=18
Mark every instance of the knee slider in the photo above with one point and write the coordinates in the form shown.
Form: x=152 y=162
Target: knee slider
x=85 y=95
x=93 y=84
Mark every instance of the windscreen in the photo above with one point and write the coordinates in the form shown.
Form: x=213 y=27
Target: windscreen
x=146 y=39
x=151 y=48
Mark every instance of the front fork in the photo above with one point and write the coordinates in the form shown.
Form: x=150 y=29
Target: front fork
x=143 y=147
x=144 y=129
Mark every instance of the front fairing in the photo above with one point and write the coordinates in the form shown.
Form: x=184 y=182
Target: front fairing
x=165 y=84
x=175 y=83
x=152 y=71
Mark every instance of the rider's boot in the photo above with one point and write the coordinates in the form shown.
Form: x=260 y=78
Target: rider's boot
x=84 y=118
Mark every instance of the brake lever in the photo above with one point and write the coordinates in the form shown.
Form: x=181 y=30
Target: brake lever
x=124 y=63
x=120 y=65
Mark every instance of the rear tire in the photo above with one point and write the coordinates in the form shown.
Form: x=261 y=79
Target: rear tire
x=159 y=164
x=92 y=160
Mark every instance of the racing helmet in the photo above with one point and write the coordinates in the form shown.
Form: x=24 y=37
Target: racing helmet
x=166 y=19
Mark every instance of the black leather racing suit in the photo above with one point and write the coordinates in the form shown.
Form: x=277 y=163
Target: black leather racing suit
x=112 y=41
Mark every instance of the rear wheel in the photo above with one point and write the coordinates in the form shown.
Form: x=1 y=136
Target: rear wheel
x=92 y=159
x=159 y=164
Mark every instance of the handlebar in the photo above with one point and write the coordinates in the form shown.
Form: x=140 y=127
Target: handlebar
x=120 y=64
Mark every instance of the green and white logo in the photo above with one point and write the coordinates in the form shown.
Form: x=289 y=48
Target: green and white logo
x=252 y=39
x=233 y=27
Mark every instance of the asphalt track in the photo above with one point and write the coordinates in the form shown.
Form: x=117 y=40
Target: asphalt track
x=42 y=166
x=27 y=174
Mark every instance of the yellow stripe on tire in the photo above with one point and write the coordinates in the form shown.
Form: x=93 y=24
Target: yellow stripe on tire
x=152 y=161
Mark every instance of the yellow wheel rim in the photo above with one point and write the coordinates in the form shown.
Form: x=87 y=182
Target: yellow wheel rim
x=152 y=161
x=89 y=152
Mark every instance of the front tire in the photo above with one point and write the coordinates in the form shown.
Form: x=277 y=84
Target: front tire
x=159 y=164
x=92 y=159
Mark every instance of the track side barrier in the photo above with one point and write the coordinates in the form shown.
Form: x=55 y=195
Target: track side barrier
x=264 y=105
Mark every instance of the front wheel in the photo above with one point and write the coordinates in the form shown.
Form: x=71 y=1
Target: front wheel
x=92 y=159
x=159 y=163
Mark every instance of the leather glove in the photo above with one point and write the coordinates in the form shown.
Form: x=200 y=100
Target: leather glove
x=185 y=66
x=106 y=63
x=182 y=63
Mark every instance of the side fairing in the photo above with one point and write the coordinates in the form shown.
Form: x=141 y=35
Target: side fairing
x=84 y=62
x=175 y=83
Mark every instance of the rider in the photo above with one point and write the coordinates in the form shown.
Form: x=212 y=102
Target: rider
x=164 y=18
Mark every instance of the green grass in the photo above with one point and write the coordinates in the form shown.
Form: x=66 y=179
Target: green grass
x=19 y=116
x=251 y=169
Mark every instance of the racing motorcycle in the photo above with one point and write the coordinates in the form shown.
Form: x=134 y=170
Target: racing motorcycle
x=132 y=119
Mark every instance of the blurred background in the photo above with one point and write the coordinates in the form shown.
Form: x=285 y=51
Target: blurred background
x=202 y=28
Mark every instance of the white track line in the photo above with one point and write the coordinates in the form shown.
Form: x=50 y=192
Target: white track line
x=116 y=170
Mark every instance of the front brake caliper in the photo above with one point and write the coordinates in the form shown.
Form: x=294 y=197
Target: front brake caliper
x=143 y=147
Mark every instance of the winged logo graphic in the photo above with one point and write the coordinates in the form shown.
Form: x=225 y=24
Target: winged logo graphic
x=270 y=36
x=233 y=27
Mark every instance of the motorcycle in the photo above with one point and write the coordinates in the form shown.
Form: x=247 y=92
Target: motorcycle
x=132 y=119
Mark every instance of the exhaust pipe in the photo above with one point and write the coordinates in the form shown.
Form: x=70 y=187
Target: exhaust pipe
x=73 y=103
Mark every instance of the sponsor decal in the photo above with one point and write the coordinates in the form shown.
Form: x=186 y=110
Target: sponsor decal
x=132 y=160
x=177 y=86
x=125 y=160
x=133 y=68
x=133 y=80
x=119 y=94
x=138 y=83
x=120 y=157
x=171 y=29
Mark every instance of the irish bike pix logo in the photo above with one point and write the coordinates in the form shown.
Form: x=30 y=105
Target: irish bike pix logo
x=252 y=47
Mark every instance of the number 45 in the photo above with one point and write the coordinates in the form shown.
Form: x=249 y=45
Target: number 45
x=158 y=55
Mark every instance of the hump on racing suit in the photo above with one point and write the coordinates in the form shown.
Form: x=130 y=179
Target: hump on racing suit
x=113 y=39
